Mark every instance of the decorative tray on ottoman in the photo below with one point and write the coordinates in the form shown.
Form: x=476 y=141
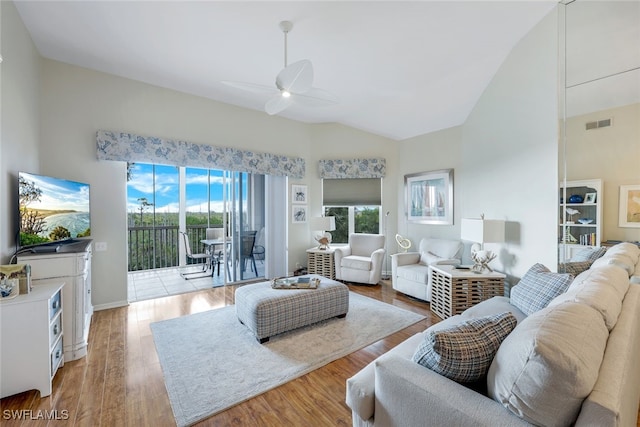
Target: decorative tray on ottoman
x=295 y=283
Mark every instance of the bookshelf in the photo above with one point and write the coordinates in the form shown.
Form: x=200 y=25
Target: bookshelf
x=580 y=216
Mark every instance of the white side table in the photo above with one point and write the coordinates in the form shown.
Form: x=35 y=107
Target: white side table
x=454 y=290
x=321 y=261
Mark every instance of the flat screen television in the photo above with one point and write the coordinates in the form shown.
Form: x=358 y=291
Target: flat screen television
x=52 y=210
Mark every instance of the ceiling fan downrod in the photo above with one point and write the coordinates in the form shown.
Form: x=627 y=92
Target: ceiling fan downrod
x=286 y=26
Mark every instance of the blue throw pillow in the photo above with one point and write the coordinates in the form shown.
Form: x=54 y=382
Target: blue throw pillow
x=537 y=288
x=464 y=352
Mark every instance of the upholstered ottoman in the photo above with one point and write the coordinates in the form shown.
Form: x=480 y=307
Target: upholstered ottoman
x=267 y=312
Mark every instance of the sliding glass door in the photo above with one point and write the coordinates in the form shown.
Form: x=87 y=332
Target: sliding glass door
x=164 y=200
x=246 y=213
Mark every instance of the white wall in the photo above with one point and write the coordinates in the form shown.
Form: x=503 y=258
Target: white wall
x=509 y=152
x=19 y=107
x=504 y=157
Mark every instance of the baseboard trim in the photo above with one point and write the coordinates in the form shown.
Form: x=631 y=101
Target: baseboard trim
x=116 y=304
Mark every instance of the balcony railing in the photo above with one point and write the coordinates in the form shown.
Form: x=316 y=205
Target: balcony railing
x=158 y=247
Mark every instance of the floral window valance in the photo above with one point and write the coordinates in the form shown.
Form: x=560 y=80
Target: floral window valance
x=127 y=147
x=352 y=168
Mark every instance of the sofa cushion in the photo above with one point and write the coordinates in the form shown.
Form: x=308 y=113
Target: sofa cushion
x=619 y=260
x=602 y=289
x=549 y=364
x=464 y=352
x=356 y=262
x=610 y=275
x=588 y=254
x=491 y=306
x=414 y=272
x=537 y=287
x=631 y=250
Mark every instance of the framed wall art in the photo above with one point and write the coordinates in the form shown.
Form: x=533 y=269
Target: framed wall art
x=629 y=211
x=429 y=197
x=299 y=194
x=298 y=214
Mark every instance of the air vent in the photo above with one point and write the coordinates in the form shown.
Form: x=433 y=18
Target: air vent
x=599 y=124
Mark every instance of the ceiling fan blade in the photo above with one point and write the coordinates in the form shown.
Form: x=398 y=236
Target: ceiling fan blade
x=251 y=87
x=315 y=97
x=296 y=78
x=277 y=104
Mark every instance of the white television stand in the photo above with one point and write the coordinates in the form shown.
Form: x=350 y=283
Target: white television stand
x=70 y=264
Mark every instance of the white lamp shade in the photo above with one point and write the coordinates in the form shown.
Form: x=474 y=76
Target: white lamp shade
x=482 y=230
x=323 y=223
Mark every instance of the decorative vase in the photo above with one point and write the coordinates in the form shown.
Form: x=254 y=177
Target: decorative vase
x=576 y=198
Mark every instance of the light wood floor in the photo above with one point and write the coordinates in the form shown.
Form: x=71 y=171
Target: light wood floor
x=120 y=382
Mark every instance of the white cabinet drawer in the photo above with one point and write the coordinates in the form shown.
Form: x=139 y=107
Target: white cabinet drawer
x=55 y=330
x=56 y=358
x=55 y=305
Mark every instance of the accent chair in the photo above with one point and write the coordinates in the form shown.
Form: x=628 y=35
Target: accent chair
x=361 y=260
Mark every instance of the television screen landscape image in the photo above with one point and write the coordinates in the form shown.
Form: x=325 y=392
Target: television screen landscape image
x=52 y=209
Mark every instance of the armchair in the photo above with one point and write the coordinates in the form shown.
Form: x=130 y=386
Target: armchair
x=410 y=273
x=361 y=260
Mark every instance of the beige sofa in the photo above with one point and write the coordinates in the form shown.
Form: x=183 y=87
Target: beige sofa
x=575 y=361
x=410 y=273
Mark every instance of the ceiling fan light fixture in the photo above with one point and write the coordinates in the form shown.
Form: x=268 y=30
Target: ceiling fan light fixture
x=294 y=84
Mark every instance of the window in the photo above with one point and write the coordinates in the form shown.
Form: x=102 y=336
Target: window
x=152 y=205
x=204 y=203
x=353 y=219
x=355 y=203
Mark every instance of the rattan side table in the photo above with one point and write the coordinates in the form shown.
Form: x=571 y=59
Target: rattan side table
x=454 y=290
x=321 y=261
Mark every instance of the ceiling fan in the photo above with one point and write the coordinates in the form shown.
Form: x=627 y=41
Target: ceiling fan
x=293 y=84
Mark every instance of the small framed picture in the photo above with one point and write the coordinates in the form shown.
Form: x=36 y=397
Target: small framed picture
x=590 y=198
x=298 y=214
x=299 y=194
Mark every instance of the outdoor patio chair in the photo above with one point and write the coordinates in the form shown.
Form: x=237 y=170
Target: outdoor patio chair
x=208 y=260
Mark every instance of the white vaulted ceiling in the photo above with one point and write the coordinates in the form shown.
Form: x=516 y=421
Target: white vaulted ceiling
x=400 y=69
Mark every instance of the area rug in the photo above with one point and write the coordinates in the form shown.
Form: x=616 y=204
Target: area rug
x=211 y=361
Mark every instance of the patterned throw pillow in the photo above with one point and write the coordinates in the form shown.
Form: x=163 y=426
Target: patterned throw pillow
x=588 y=254
x=464 y=352
x=537 y=288
x=574 y=268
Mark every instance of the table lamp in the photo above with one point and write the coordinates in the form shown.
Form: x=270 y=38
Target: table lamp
x=481 y=231
x=324 y=224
